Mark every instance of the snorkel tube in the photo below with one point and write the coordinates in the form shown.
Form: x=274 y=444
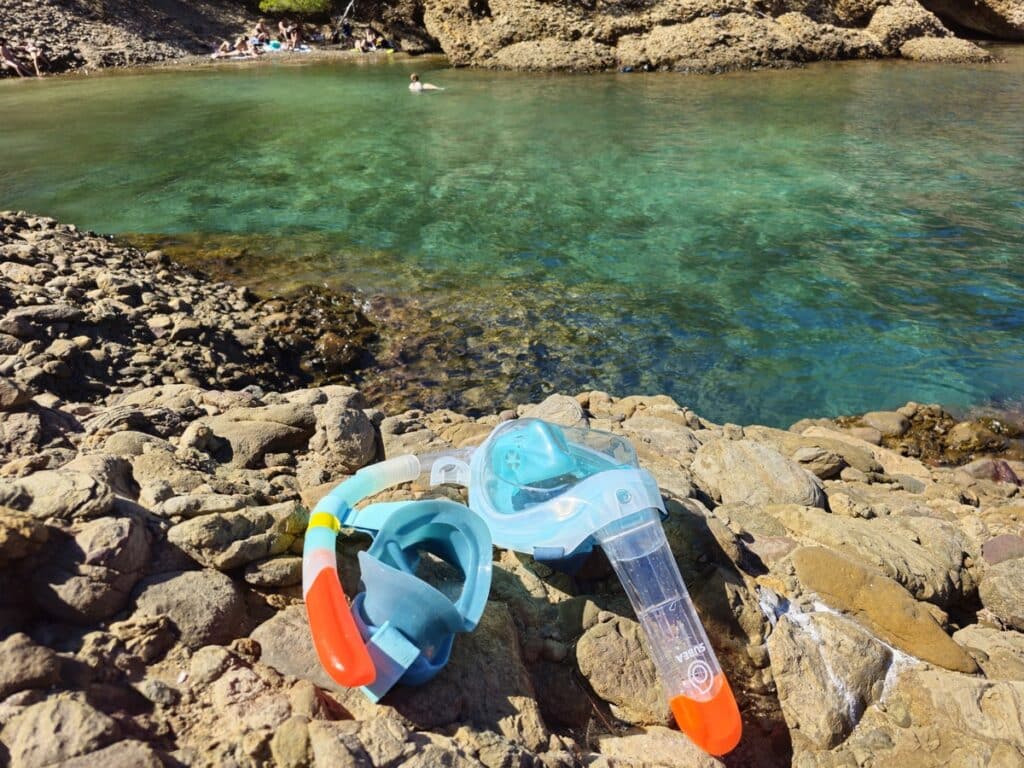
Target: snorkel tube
x=341 y=648
x=552 y=491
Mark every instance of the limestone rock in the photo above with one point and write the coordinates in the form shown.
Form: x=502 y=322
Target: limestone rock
x=663 y=436
x=381 y=741
x=923 y=554
x=999 y=653
x=881 y=605
x=743 y=471
x=287 y=646
x=892 y=462
x=889 y=423
x=903 y=20
x=12 y=395
x=613 y=657
x=145 y=637
x=345 y=438
x=552 y=53
x=825 y=668
x=24 y=665
x=934 y=719
x=20 y=535
x=64 y=495
x=657 y=747
x=57 y=729
x=290 y=746
x=1002 y=592
x=196 y=504
x=790 y=444
x=1001 y=19
x=231 y=539
x=205 y=606
x=556 y=409
x=123 y=754
x=484 y=683
x=1006 y=546
x=276 y=572
x=944 y=49
x=90 y=577
x=251 y=433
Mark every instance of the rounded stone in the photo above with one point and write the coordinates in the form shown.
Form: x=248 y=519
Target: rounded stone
x=206 y=606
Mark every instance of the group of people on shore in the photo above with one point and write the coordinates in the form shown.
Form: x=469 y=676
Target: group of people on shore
x=293 y=36
x=25 y=60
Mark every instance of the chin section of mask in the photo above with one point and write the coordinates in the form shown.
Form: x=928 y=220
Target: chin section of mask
x=409 y=624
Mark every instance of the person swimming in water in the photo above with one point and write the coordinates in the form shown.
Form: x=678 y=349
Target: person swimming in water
x=417 y=86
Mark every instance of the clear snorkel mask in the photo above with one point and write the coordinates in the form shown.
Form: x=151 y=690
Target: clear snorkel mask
x=553 y=491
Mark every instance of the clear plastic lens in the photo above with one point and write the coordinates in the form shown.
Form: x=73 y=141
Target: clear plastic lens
x=638 y=550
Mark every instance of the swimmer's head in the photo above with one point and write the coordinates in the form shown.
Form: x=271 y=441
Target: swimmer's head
x=414 y=77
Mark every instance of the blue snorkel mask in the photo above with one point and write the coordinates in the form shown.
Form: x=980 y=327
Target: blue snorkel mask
x=399 y=629
x=534 y=487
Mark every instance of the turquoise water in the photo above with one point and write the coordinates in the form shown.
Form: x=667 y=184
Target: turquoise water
x=762 y=246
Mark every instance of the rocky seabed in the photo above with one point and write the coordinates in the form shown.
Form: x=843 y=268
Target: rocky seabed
x=865 y=603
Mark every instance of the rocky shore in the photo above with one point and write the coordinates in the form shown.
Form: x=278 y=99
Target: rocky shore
x=692 y=36
x=159 y=454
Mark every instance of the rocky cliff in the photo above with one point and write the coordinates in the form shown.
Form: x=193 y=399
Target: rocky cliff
x=864 y=601
x=692 y=35
x=684 y=35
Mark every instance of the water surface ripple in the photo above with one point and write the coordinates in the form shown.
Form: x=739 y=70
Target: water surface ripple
x=762 y=246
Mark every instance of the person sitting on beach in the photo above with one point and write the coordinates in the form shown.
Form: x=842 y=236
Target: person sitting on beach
x=9 y=60
x=260 y=33
x=224 y=50
x=291 y=34
x=368 y=42
x=36 y=54
x=243 y=49
x=417 y=86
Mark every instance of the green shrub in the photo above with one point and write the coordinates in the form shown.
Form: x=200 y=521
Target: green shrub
x=302 y=7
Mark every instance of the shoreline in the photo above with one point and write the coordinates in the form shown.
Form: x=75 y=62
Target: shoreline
x=194 y=62
x=355 y=339
x=157 y=468
x=705 y=38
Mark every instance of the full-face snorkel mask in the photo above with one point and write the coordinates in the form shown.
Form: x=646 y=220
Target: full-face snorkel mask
x=399 y=628
x=552 y=492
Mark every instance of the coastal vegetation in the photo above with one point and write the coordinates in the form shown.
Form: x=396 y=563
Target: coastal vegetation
x=296 y=6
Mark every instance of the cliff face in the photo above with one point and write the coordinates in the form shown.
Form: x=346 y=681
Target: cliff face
x=688 y=35
x=999 y=19
x=104 y=33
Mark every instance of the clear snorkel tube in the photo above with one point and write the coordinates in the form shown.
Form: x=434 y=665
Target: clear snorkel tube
x=548 y=491
x=698 y=692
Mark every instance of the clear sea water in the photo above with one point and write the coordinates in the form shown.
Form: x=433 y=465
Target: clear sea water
x=762 y=246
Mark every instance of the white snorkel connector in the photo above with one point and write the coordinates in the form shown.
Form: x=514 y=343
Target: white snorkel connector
x=553 y=491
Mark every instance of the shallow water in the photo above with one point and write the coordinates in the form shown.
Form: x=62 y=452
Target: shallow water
x=762 y=246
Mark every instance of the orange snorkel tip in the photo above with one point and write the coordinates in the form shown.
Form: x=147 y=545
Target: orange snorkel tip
x=338 y=643
x=713 y=724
